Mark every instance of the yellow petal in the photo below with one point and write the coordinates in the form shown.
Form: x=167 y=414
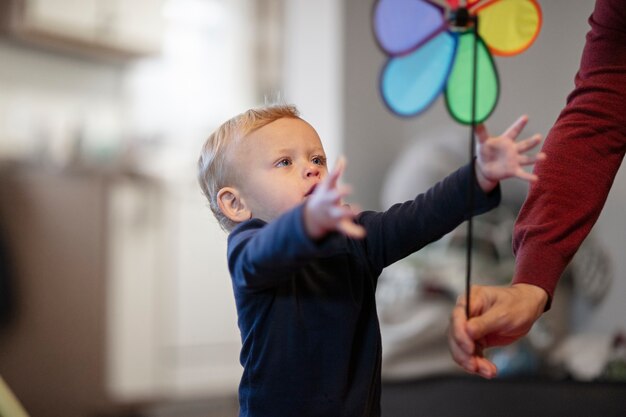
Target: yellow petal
x=509 y=27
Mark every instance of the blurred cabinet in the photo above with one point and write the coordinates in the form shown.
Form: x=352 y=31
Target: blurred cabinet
x=119 y=28
x=173 y=328
x=122 y=292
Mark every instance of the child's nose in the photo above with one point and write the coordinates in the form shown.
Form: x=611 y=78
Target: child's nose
x=312 y=170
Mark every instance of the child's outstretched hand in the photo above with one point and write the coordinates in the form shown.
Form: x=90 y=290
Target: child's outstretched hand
x=500 y=157
x=324 y=211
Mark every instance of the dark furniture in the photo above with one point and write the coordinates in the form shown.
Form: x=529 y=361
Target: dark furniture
x=467 y=396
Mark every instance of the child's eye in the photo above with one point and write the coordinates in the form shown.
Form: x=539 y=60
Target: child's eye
x=319 y=160
x=283 y=163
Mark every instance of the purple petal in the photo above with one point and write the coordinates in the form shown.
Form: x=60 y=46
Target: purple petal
x=402 y=25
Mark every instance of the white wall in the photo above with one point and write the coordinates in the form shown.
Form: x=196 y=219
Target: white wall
x=313 y=67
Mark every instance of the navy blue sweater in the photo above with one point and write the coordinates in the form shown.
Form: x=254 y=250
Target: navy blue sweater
x=306 y=309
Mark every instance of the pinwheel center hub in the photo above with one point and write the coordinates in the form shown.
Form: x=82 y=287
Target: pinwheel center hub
x=461 y=18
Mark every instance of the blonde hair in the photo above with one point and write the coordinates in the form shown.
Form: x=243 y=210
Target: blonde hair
x=213 y=170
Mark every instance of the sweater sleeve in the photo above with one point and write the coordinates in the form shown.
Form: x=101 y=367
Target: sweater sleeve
x=407 y=227
x=584 y=150
x=261 y=255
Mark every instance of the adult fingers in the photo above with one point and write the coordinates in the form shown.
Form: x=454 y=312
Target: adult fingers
x=485 y=367
x=490 y=322
x=462 y=358
x=458 y=332
x=472 y=361
x=458 y=341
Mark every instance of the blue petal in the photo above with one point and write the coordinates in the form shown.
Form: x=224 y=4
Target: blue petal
x=409 y=84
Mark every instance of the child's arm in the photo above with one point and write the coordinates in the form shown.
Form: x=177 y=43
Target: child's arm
x=324 y=212
x=407 y=227
x=261 y=255
x=500 y=157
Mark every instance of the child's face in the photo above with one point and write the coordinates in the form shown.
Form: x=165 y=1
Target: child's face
x=279 y=165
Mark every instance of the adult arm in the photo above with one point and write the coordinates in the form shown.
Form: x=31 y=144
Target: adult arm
x=584 y=151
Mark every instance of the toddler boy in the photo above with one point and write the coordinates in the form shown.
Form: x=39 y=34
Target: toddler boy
x=304 y=266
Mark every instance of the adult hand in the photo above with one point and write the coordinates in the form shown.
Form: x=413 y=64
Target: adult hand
x=498 y=316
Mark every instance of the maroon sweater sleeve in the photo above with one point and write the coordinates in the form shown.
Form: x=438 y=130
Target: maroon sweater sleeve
x=584 y=151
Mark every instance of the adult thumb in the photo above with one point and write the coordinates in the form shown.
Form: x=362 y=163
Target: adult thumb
x=480 y=327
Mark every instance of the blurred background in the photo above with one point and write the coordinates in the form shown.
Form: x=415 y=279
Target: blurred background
x=115 y=298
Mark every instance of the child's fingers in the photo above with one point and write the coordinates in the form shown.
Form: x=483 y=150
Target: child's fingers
x=355 y=209
x=338 y=213
x=531 y=159
x=516 y=128
x=340 y=192
x=343 y=216
x=351 y=229
x=481 y=133
x=335 y=174
x=521 y=174
x=334 y=197
x=527 y=144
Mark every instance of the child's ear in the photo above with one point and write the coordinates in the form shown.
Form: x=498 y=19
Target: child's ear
x=232 y=205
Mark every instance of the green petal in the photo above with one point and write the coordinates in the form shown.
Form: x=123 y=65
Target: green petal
x=459 y=88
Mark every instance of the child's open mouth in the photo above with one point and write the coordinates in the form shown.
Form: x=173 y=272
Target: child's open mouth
x=308 y=193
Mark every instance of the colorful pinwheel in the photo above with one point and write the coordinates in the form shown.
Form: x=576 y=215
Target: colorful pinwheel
x=431 y=47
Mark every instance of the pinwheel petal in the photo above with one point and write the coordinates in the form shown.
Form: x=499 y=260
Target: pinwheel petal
x=410 y=83
x=401 y=26
x=459 y=87
x=509 y=27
